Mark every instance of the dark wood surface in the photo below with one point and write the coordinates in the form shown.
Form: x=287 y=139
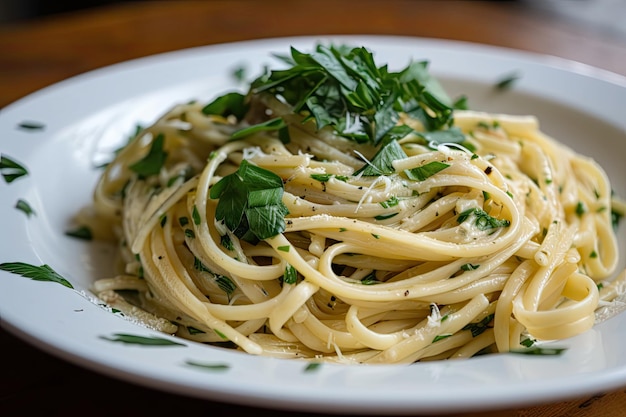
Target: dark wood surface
x=39 y=52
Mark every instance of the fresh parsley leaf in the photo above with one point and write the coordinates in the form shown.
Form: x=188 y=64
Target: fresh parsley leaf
x=132 y=339
x=152 y=163
x=226 y=105
x=11 y=170
x=36 y=273
x=250 y=202
x=382 y=162
x=425 y=171
x=345 y=89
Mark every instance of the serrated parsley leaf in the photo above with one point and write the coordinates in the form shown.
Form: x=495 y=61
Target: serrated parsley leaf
x=11 y=170
x=250 y=202
x=343 y=88
x=36 y=273
x=132 y=339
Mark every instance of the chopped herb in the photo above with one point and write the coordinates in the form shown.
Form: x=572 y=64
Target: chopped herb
x=36 y=273
x=11 y=170
x=343 y=88
x=616 y=217
x=195 y=216
x=593 y=254
x=31 y=125
x=250 y=203
x=327 y=177
x=141 y=340
x=225 y=284
x=284 y=248
x=193 y=330
x=183 y=221
x=271 y=125
x=152 y=163
x=527 y=342
x=479 y=327
x=425 y=171
x=220 y=334
x=81 y=232
x=209 y=366
x=580 y=209
x=375 y=236
x=469 y=267
x=239 y=73
x=190 y=233
x=483 y=220
x=226 y=105
x=163 y=220
x=22 y=205
x=312 y=366
x=199 y=266
x=392 y=202
x=507 y=81
x=370 y=279
x=540 y=351
x=385 y=216
x=382 y=162
x=227 y=242
x=441 y=337
x=291 y=275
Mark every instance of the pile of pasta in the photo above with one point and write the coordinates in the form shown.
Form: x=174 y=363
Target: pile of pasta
x=511 y=243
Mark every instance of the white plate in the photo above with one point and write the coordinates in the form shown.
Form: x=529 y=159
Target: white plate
x=85 y=117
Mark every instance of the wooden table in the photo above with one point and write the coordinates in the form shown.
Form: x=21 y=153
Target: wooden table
x=37 y=53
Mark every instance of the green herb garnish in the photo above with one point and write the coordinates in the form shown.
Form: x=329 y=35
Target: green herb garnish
x=250 y=203
x=81 y=232
x=425 y=171
x=141 y=340
x=483 y=221
x=291 y=275
x=220 y=367
x=36 y=273
x=23 y=206
x=11 y=170
x=343 y=88
x=152 y=163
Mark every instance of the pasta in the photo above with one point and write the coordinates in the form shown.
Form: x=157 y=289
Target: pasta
x=275 y=232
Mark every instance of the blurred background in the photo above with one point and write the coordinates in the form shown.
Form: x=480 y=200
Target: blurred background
x=604 y=15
